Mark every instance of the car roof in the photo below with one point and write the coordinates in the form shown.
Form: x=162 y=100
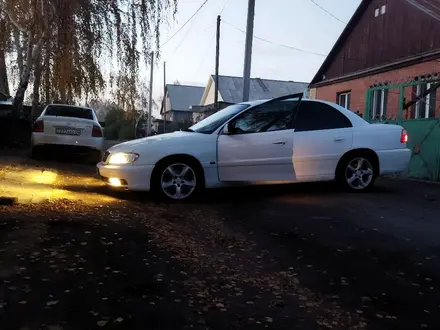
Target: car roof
x=355 y=119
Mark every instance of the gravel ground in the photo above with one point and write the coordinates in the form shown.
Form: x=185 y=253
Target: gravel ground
x=75 y=255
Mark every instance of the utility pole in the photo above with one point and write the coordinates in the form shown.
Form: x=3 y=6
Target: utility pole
x=164 y=97
x=150 y=102
x=248 y=49
x=217 y=60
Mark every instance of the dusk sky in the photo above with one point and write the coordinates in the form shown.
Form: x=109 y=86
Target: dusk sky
x=190 y=55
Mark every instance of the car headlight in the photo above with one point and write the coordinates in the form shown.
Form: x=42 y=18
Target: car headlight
x=120 y=158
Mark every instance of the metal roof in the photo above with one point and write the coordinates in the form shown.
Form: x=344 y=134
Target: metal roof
x=231 y=88
x=183 y=96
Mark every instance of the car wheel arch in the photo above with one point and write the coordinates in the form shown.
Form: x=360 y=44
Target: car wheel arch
x=372 y=155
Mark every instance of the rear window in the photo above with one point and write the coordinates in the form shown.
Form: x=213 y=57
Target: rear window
x=63 y=111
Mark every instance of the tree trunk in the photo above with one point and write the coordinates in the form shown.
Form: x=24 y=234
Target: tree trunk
x=38 y=68
x=19 y=50
x=32 y=52
x=47 y=72
x=4 y=85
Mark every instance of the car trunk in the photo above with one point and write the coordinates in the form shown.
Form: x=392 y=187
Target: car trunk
x=57 y=125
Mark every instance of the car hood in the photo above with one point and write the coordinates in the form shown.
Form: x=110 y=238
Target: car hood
x=132 y=145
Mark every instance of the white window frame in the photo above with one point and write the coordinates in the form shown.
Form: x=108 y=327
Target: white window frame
x=383 y=9
x=382 y=108
x=376 y=12
x=426 y=101
x=346 y=105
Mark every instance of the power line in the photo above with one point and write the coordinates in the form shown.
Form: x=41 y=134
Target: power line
x=205 y=53
x=183 y=38
x=187 y=31
x=276 y=44
x=193 y=15
x=224 y=6
x=323 y=9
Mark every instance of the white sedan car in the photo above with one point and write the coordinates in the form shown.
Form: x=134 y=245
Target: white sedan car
x=281 y=140
x=67 y=126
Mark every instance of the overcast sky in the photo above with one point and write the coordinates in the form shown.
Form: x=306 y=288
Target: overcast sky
x=190 y=55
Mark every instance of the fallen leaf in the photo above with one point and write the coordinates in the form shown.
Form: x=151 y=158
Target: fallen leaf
x=269 y=319
x=23 y=302
x=119 y=319
x=102 y=323
x=51 y=303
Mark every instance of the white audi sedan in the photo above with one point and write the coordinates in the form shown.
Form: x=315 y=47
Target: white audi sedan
x=68 y=126
x=288 y=139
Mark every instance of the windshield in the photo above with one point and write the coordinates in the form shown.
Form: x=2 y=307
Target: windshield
x=211 y=123
x=66 y=111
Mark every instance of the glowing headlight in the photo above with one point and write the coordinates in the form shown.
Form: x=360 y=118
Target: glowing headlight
x=120 y=158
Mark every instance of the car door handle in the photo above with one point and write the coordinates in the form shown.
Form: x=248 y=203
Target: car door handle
x=339 y=139
x=280 y=143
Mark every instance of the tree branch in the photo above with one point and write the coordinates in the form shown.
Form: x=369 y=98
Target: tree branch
x=11 y=18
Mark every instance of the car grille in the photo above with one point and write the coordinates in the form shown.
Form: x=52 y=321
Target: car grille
x=105 y=157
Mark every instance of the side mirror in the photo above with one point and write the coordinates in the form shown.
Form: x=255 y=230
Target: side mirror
x=102 y=123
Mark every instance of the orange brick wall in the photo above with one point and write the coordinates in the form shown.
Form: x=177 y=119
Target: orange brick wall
x=360 y=86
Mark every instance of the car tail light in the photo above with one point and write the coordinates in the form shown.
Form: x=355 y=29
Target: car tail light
x=39 y=126
x=97 y=131
x=404 y=136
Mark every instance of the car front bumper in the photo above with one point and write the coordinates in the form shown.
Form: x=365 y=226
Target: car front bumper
x=131 y=177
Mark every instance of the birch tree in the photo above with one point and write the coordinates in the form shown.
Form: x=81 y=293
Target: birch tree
x=67 y=43
x=30 y=18
x=4 y=45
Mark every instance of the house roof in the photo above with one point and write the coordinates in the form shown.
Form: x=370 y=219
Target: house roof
x=231 y=88
x=183 y=96
x=341 y=40
x=430 y=7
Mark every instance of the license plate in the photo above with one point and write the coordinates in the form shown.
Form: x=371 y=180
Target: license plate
x=67 y=131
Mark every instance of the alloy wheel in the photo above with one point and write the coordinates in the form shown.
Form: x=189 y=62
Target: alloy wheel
x=359 y=173
x=178 y=181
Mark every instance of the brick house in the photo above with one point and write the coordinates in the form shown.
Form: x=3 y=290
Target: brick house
x=387 y=55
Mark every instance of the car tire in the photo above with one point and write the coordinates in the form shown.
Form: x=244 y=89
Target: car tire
x=177 y=179
x=357 y=172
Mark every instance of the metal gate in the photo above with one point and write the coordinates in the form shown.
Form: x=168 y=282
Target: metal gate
x=416 y=107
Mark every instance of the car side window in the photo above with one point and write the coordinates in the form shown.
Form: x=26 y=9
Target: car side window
x=269 y=117
x=315 y=116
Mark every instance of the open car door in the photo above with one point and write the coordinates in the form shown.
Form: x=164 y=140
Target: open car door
x=257 y=144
